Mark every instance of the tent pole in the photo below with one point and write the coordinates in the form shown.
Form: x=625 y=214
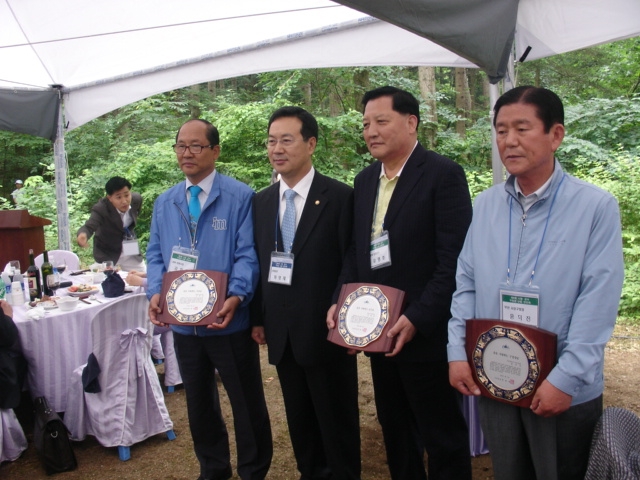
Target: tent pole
x=496 y=163
x=508 y=82
x=60 y=157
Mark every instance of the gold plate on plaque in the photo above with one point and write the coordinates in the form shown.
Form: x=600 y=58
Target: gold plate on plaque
x=192 y=297
x=364 y=314
x=509 y=360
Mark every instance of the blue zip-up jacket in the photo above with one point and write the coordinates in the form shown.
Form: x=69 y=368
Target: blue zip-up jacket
x=224 y=237
x=580 y=271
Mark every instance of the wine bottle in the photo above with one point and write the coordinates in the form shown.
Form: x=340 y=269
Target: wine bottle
x=33 y=277
x=46 y=269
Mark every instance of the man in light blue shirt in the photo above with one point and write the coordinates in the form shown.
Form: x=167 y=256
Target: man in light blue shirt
x=556 y=239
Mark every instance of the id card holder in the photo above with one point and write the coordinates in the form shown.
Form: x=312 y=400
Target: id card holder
x=380 y=252
x=281 y=268
x=130 y=247
x=183 y=259
x=520 y=304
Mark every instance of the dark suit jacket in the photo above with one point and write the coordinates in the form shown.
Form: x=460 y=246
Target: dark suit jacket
x=105 y=222
x=427 y=220
x=298 y=312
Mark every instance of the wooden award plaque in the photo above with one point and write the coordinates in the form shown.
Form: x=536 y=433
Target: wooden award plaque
x=509 y=360
x=192 y=297
x=364 y=314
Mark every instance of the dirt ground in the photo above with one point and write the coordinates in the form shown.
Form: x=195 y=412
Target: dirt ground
x=157 y=458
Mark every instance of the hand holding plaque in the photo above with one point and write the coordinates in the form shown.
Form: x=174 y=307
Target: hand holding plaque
x=509 y=360
x=364 y=315
x=192 y=297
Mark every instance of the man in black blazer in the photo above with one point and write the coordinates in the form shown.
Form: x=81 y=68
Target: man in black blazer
x=113 y=219
x=419 y=201
x=297 y=281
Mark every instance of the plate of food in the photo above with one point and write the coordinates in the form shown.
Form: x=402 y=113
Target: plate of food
x=82 y=290
x=48 y=303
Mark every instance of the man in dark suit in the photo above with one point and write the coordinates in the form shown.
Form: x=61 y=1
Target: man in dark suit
x=113 y=219
x=297 y=278
x=419 y=201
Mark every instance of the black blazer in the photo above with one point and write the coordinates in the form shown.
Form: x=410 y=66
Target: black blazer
x=427 y=220
x=297 y=312
x=106 y=223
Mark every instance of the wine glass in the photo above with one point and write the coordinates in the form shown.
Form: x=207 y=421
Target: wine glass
x=108 y=267
x=14 y=267
x=62 y=265
x=53 y=282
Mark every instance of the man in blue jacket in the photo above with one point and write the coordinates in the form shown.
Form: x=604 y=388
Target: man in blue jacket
x=551 y=242
x=221 y=236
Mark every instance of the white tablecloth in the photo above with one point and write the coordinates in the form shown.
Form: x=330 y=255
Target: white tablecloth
x=54 y=346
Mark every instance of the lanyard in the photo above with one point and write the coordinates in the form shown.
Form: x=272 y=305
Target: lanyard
x=192 y=232
x=544 y=233
x=276 y=232
x=284 y=247
x=375 y=208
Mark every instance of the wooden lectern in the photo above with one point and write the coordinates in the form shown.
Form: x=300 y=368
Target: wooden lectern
x=19 y=232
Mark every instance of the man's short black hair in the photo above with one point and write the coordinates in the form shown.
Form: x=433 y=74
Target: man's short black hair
x=309 y=124
x=116 y=183
x=213 y=137
x=548 y=105
x=402 y=101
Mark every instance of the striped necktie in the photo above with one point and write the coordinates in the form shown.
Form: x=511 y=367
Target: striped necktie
x=289 y=220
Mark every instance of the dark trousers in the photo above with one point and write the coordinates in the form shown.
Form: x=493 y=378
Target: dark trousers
x=531 y=447
x=418 y=410
x=236 y=357
x=321 y=403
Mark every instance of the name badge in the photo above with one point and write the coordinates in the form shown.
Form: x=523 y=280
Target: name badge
x=183 y=259
x=130 y=247
x=520 y=307
x=380 y=253
x=281 y=268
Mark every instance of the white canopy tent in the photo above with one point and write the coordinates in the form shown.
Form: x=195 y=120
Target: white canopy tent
x=66 y=62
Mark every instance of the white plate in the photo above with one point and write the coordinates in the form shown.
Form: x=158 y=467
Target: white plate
x=84 y=294
x=48 y=305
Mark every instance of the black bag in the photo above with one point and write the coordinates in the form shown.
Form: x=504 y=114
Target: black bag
x=51 y=439
x=113 y=286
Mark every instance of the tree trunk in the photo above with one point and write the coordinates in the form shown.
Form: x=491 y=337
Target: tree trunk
x=306 y=91
x=211 y=86
x=194 y=109
x=427 y=82
x=463 y=101
x=361 y=79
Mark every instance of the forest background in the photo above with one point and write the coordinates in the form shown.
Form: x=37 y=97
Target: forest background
x=600 y=87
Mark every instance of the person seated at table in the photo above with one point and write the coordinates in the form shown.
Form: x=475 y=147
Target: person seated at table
x=113 y=220
x=136 y=279
x=12 y=365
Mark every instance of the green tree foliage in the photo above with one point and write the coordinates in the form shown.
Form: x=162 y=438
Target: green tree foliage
x=20 y=156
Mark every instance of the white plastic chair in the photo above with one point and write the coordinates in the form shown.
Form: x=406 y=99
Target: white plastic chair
x=130 y=406
x=73 y=262
x=12 y=439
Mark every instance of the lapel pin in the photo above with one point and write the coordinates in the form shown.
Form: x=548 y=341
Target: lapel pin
x=317 y=202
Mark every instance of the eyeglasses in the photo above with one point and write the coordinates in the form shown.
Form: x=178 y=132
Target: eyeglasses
x=195 y=149
x=285 y=142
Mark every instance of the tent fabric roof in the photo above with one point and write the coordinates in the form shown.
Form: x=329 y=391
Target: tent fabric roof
x=107 y=54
